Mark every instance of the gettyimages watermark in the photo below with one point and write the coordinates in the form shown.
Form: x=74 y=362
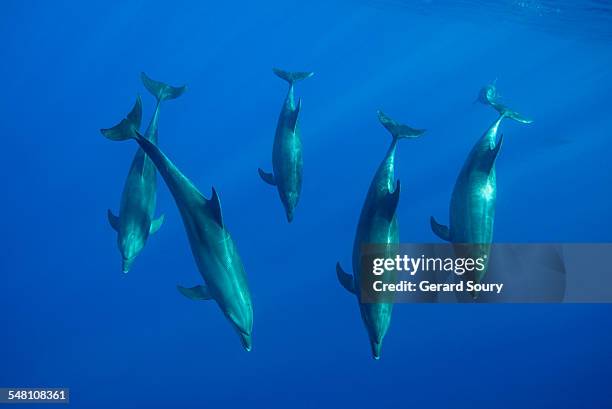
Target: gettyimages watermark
x=486 y=273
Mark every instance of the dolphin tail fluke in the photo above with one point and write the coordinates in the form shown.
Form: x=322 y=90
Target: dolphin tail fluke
x=398 y=131
x=292 y=77
x=128 y=127
x=494 y=101
x=440 y=230
x=161 y=91
x=508 y=113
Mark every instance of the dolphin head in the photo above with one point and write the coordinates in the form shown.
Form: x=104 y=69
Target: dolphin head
x=376 y=346
x=289 y=213
x=376 y=336
x=126 y=264
x=376 y=318
x=246 y=341
x=130 y=246
x=242 y=321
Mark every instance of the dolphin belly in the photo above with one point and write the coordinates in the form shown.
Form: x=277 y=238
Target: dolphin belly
x=378 y=226
x=137 y=208
x=135 y=222
x=287 y=149
x=287 y=164
x=213 y=249
x=221 y=268
x=472 y=218
x=376 y=315
x=473 y=209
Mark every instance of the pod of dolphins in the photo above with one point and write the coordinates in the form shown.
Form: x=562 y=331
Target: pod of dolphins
x=471 y=214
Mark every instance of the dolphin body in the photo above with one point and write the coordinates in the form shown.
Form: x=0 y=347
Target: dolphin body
x=377 y=225
x=213 y=249
x=287 y=150
x=135 y=221
x=472 y=207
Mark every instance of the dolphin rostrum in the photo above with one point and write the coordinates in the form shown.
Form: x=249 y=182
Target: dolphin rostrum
x=287 y=149
x=377 y=225
x=213 y=249
x=135 y=221
x=472 y=207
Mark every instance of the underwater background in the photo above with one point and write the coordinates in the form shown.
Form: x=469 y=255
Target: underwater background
x=70 y=318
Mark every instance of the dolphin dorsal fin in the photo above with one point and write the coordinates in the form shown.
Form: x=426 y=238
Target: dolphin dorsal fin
x=293 y=119
x=390 y=201
x=489 y=160
x=214 y=206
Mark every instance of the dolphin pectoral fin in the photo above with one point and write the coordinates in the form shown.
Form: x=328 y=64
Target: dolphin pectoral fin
x=197 y=293
x=390 y=201
x=266 y=177
x=293 y=119
x=113 y=220
x=345 y=279
x=156 y=224
x=214 y=205
x=439 y=230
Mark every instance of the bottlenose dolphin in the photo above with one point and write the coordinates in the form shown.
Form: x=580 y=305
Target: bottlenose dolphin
x=213 y=249
x=135 y=221
x=287 y=150
x=377 y=225
x=472 y=207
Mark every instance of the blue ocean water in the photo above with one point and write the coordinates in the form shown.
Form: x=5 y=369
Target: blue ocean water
x=69 y=317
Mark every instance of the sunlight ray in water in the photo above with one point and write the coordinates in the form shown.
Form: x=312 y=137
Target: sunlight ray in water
x=584 y=19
